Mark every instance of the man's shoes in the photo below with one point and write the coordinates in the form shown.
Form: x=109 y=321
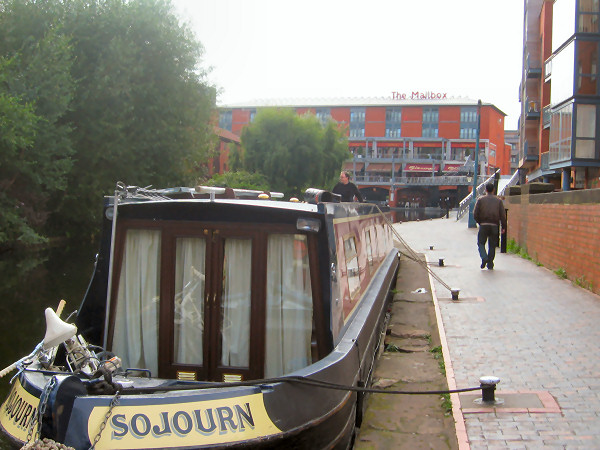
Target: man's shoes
x=483 y=263
x=490 y=266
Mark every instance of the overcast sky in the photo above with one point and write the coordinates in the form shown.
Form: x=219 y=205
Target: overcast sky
x=270 y=49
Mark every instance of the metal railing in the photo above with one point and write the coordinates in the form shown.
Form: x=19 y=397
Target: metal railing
x=418 y=181
x=463 y=206
x=511 y=182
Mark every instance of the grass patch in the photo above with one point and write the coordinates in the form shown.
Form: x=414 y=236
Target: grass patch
x=561 y=273
x=392 y=348
x=437 y=354
x=514 y=248
x=446 y=404
x=583 y=283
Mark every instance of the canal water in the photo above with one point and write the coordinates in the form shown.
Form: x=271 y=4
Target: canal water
x=32 y=281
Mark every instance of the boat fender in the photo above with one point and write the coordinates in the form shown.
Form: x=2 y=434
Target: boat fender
x=60 y=404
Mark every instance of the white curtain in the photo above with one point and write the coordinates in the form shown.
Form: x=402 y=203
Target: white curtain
x=189 y=300
x=135 y=338
x=289 y=305
x=235 y=303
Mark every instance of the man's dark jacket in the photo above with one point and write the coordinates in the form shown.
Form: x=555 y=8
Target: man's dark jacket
x=489 y=210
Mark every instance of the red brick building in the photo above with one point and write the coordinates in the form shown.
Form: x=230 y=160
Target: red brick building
x=560 y=94
x=406 y=148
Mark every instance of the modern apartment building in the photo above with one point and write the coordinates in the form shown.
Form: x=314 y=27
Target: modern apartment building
x=410 y=148
x=559 y=90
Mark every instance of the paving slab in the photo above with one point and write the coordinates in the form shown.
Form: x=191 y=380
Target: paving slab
x=521 y=323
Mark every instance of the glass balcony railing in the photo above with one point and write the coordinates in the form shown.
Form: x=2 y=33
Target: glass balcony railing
x=546 y=116
x=532 y=109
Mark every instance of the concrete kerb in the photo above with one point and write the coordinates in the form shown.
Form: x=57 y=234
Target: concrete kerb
x=459 y=420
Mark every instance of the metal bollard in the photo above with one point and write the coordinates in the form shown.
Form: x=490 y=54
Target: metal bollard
x=431 y=247
x=441 y=262
x=488 y=387
x=454 y=293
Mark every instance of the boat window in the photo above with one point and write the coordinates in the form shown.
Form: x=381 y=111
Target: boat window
x=135 y=337
x=289 y=319
x=380 y=242
x=352 y=265
x=189 y=300
x=369 y=247
x=235 y=302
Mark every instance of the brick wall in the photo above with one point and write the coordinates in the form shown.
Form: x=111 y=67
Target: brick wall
x=561 y=230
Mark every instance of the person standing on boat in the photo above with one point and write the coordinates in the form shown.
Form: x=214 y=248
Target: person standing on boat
x=347 y=189
x=489 y=213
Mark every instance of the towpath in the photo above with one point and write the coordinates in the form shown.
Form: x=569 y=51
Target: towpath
x=523 y=324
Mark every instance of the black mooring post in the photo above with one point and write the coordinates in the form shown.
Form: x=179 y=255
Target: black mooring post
x=488 y=388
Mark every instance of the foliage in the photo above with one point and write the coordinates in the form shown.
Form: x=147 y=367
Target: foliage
x=35 y=149
x=293 y=152
x=561 y=273
x=240 y=180
x=118 y=93
x=446 y=404
x=437 y=354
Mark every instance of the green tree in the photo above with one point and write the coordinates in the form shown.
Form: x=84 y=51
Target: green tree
x=35 y=148
x=240 y=180
x=293 y=152
x=142 y=109
x=120 y=94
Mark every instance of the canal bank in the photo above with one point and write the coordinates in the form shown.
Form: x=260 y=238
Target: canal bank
x=411 y=361
x=523 y=324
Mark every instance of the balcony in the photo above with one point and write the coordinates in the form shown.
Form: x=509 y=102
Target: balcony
x=546 y=116
x=529 y=154
x=548 y=69
x=533 y=70
x=544 y=161
x=532 y=109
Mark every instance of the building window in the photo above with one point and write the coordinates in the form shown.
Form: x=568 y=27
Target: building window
x=587 y=16
x=357 y=122
x=585 y=143
x=225 y=120
x=252 y=115
x=324 y=115
x=430 y=122
x=587 y=63
x=561 y=131
x=563 y=78
x=393 y=121
x=468 y=123
x=563 y=22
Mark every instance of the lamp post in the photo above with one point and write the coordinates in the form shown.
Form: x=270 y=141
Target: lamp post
x=472 y=223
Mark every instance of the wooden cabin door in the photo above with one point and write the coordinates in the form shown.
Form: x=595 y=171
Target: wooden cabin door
x=212 y=302
x=214 y=291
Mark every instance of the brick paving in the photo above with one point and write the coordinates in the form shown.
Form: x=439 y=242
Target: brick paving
x=533 y=330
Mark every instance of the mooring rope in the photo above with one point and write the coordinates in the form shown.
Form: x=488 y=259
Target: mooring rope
x=411 y=253
x=290 y=379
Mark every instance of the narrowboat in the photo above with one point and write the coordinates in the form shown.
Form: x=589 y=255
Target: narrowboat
x=214 y=318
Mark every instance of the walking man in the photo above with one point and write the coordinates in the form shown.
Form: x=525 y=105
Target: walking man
x=489 y=213
x=347 y=189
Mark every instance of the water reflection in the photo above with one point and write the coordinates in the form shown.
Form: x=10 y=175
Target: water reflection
x=29 y=283
x=412 y=214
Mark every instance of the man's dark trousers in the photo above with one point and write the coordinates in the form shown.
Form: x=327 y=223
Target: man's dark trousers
x=487 y=233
